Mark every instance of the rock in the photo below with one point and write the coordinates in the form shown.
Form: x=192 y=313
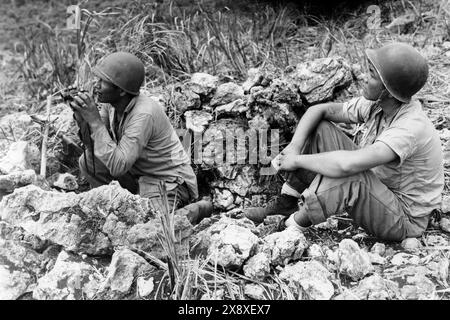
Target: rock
x=445 y=207
x=445 y=225
x=254 y=78
x=13 y=127
x=197 y=120
x=229 y=241
x=70 y=279
x=411 y=244
x=19 y=267
x=144 y=286
x=65 y=181
x=17 y=179
x=91 y=222
x=57 y=217
x=125 y=267
x=376 y=258
x=226 y=93
x=378 y=248
x=258 y=266
x=375 y=287
x=404 y=258
x=312 y=277
x=315 y=251
x=21 y=155
x=317 y=80
x=330 y=224
x=223 y=199
x=436 y=240
x=233 y=108
x=419 y=287
x=255 y=292
x=353 y=261
x=232 y=246
x=203 y=84
x=285 y=246
x=183 y=99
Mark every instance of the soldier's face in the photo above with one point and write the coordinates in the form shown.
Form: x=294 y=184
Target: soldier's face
x=373 y=86
x=106 y=92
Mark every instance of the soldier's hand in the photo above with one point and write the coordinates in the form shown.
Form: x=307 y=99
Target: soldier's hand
x=84 y=105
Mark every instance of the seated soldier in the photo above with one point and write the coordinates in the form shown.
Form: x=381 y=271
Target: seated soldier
x=392 y=182
x=131 y=138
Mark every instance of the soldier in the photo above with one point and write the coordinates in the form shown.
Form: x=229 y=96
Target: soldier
x=392 y=182
x=131 y=138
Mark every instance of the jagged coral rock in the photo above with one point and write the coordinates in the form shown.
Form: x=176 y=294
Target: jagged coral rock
x=352 y=260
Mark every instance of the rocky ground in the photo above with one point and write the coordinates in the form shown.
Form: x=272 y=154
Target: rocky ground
x=59 y=241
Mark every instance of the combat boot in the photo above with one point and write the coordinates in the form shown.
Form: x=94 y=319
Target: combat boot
x=283 y=204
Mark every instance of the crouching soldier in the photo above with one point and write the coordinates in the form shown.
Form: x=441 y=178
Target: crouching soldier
x=392 y=182
x=131 y=137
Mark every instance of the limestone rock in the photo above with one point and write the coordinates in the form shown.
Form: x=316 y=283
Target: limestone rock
x=375 y=258
x=183 y=99
x=226 y=93
x=411 y=244
x=203 y=84
x=22 y=155
x=230 y=241
x=312 y=276
x=315 y=251
x=70 y=279
x=65 y=181
x=255 y=292
x=57 y=217
x=223 y=199
x=445 y=225
x=18 y=268
x=145 y=286
x=17 y=179
x=234 y=108
x=378 y=248
x=353 y=261
x=285 y=246
x=14 y=127
x=419 y=287
x=404 y=258
x=258 y=266
x=197 y=120
x=125 y=267
x=317 y=80
x=375 y=287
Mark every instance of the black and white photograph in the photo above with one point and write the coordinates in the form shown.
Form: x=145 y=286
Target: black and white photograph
x=224 y=156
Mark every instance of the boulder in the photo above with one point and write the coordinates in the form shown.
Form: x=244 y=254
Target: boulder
x=254 y=78
x=285 y=246
x=418 y=287
x=258 y=266
x=353 y=261
x=312 y=276
x=21 y=155
x=197 y=120
x=19 y=267
x=227 y=93
x=375 y=258
x=70 y=279
x=317 y=80
x=145 y=286
x=203 y=84
x=125 y=267
x=234 y=108
x=17 y=179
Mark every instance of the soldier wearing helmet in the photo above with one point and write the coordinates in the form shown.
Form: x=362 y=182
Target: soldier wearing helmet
x=392 y=181
x=133 y=139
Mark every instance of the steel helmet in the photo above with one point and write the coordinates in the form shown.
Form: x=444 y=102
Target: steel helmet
x=402 y=69
x=123 y=69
